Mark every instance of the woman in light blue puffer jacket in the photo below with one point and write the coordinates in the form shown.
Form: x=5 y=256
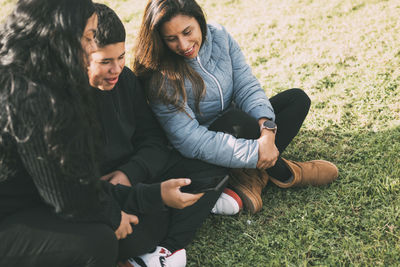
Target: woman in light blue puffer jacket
x=213 y=108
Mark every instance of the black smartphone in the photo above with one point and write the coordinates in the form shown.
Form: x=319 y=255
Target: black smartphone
x=205 y=185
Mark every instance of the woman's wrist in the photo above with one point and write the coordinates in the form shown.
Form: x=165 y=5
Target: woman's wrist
x=267 y=125
x=265 y=132
x=266 y=137
x=261 y=121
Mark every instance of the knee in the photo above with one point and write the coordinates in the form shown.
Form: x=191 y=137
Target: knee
x=302 y=98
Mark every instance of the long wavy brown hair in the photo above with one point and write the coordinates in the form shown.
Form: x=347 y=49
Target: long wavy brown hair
x=160 y=67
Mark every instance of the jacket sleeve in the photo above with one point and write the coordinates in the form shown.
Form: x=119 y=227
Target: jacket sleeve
x=138 y=199
x=196 y=141
x=150 y=143
x=68 y=196
x=247 y=91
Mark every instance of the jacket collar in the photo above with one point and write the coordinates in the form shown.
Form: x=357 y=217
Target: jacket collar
x=205 y=49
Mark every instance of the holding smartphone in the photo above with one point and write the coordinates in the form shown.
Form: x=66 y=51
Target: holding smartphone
x=205 y=185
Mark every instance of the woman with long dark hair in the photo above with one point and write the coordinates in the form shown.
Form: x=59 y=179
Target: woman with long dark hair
x=213 y=108
x=47 y=145
x=54 y=210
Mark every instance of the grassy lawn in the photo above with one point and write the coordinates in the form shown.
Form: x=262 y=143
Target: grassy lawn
x=346 y=55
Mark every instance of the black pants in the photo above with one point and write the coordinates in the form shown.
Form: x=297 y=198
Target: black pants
x=37 y=237
x=183 y=223
x=291 y=108
x=174 y=228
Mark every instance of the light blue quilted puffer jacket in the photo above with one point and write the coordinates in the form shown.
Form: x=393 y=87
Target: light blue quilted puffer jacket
x=228 y=79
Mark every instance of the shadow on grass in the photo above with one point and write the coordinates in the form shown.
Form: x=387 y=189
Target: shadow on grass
x=355 y=220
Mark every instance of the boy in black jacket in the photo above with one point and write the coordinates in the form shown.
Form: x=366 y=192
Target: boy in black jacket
x=136 y=151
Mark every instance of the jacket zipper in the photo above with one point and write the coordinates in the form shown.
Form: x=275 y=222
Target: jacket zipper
x=215 y=80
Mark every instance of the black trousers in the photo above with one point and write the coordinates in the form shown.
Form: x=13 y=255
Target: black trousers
x=183 y=223
x=174 y=228
x=37 y=237
x=291 y=108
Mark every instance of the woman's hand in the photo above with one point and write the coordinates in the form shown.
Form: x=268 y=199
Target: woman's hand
x=268 y=153
x=125 y=227
x=172 y=195
x=117 y=177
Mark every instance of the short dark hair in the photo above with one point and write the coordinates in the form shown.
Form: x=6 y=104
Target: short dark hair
x=110 y=29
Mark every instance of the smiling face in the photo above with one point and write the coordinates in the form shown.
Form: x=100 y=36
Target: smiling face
x=106 y=64
x=182 y=34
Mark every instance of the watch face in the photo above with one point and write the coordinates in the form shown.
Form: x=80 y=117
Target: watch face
x=269 y=124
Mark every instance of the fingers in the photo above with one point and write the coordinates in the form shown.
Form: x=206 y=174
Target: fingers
x=106 y=177
x=129 y=230
x=195 y=199
x=119 y=234
x=113 y=181
x=133 y=219
x=173 y=197
x=122 y=232
x=263 y=165
x=188 y=204
x=181 y=182
x=260 y=165
x=188 y=199
x=125 y=227
x=268 y=162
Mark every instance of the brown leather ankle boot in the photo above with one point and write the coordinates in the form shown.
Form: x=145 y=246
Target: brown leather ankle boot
x=315 y=172
x=248 y=184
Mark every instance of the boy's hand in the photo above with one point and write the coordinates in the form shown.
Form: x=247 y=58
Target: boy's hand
x=173 y=197
x=117 y=177
x=125 y=227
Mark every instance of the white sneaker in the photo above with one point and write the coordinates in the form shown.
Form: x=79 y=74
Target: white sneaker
x=176 y=259
x=160 y=257
x=229 y=203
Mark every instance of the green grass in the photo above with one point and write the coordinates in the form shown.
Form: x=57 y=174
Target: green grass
x=346 y=55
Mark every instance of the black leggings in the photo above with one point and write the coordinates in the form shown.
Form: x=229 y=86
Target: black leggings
x=37 y=237
x=291 y=108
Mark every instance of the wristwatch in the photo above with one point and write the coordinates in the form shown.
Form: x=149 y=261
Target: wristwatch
x=269 y=125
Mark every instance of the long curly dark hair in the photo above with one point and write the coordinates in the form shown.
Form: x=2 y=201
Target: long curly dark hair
x=42 y=66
